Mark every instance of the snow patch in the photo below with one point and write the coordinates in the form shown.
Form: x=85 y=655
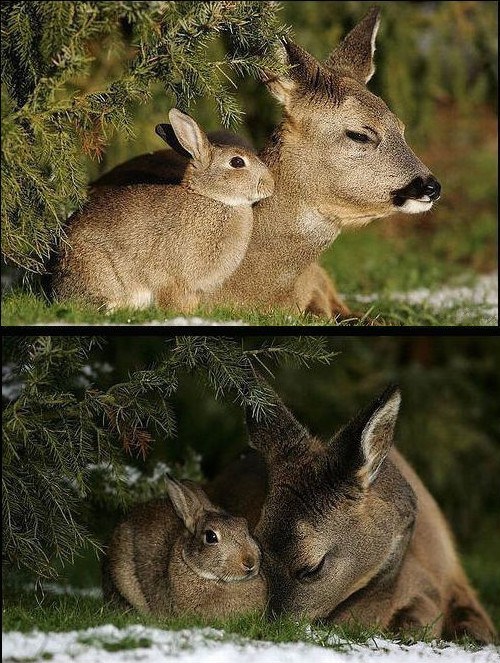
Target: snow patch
x=54 y=588
x=208 y=645
x=172 y=322
x=12 y=386
x=483 y=295
x=132 y=475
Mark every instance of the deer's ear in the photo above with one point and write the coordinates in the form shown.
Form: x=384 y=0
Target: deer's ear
x=354 y=55
x=378 y=435
x=361 y=447
x=278 y=436
x=281 y=87
x=304 y=72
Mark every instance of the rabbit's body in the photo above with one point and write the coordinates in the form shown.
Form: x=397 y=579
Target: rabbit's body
x=161 y=252
x=156 y=565
x=136 y=245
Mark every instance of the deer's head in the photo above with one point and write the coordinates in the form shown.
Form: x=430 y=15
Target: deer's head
x=346 y=148
x=337 y=515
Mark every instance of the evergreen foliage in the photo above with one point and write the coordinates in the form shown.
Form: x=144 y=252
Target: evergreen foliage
x=65 y=435
x=73 y=73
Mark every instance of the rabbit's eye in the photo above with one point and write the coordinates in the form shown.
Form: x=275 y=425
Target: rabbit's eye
x=210 y=537
x=237 y=162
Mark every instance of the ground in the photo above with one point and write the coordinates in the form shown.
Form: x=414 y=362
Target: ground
x=107 y=644
x=397 y=280
x=75 y=627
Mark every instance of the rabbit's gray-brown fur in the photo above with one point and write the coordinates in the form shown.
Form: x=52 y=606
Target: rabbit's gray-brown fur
x=159 y=561
x=165 y=244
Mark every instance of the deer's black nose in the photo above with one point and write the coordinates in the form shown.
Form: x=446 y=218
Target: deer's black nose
x=417 y=189
x=432 y=188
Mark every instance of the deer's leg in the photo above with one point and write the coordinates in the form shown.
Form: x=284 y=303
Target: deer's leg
x=177 y=297
x=316 y=294
x=421 y=612
x=465 y=616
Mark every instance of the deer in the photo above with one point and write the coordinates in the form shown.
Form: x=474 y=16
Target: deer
x=339 y=160
x=348 y=531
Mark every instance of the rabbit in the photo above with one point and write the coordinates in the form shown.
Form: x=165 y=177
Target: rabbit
x=144 y=244
x=184 y=556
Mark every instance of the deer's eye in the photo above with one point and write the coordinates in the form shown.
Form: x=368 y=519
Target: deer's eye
x=356 y=137
x=210 y=537
x=310 y=572
x=237 y=162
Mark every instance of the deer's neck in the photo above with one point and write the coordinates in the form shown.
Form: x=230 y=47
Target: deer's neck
x=292 y=213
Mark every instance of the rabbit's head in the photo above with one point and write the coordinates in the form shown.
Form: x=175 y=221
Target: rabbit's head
x=216 y=545
x=231 y=174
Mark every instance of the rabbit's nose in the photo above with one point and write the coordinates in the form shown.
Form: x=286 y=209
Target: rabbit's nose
x=249 y=564
x=265 y=187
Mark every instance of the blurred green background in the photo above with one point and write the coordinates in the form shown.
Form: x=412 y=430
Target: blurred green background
x=437 y=70
x=448 y=429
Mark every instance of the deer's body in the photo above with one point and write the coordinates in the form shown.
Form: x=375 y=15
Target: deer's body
x=280 y=270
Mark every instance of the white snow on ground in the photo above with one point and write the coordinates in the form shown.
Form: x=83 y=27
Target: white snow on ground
x=172 y=322
x=214 y=646
x=54 y=588
x=484 y=294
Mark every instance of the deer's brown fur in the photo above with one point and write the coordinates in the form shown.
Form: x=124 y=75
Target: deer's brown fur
x=348 y=530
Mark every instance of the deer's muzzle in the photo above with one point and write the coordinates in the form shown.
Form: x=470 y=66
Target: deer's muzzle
x=422 y=190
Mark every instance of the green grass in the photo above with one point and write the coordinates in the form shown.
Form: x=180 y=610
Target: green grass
x=24 y=610
x=361 y=263
x=20 y=308
x=66 y=613
x=128 y=642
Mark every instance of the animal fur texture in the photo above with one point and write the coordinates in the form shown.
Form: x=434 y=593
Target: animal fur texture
x=159 y=562
x=339 y=159
x=348 y=530
x=146 y=244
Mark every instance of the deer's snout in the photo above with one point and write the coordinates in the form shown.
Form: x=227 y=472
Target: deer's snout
x=420 y=189
x=432 y=188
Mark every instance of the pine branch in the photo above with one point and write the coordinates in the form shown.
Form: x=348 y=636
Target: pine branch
x=52 y=117
x=58 y=423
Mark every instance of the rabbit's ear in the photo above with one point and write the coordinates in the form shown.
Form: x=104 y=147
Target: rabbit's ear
x=186 y=503
x=200 y=493
x=167 y=133
x=191 y=137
